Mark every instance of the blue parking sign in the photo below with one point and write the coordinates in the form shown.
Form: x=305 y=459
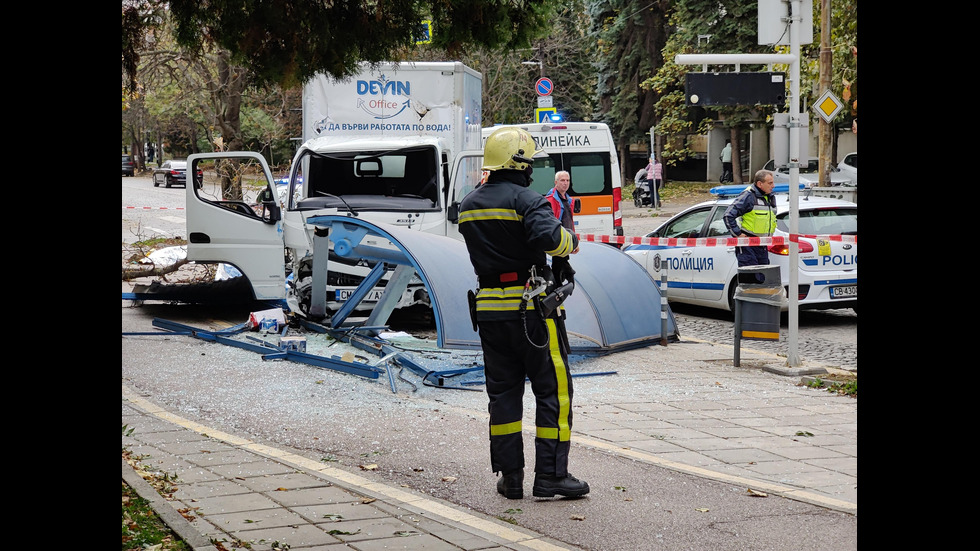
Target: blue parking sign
x=544 y=86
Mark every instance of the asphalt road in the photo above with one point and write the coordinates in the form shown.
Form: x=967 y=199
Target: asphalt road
x=149 y=211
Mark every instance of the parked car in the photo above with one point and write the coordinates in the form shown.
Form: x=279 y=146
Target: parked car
x=849 y=166
x=171 y=173
x=707 y=275
x=809 y=174
x=127 y=165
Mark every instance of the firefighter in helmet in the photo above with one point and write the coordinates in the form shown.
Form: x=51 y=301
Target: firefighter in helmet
x=510 y=230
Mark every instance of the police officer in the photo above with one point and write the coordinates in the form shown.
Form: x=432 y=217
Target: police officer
x=753 y=214
x=509 y=229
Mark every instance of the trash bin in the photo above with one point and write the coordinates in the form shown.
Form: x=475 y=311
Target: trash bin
x=759 y=299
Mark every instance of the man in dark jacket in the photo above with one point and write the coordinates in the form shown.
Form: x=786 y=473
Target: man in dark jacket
x=753 y=214
x=509 y=230
x=562 y=204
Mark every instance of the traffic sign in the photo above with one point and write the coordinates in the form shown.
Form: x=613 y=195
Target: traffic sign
x=828 y=105
x=546 y=101
x=544 y=114
x=544 y=86
x=423 y=35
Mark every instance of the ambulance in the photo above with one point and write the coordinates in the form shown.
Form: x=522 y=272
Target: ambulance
x=587 y=151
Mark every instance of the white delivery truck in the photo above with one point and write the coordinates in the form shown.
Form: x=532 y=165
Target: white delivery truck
x=585 y=150
x=397 y=144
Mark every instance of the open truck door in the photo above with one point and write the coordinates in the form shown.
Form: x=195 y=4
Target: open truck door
x=234 y=216
x=467 y=174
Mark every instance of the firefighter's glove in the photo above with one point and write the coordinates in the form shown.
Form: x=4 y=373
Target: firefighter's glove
x=562 y=269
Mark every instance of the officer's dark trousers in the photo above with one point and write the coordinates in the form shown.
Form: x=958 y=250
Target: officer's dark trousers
x=509 y=357
x=752 y=256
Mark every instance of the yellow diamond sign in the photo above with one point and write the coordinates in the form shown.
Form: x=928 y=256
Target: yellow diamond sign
x=828 y=106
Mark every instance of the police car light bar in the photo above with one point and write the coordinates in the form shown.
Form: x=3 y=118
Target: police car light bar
x=733 y=190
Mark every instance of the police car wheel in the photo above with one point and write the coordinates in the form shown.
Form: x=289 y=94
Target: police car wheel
x=731 y=294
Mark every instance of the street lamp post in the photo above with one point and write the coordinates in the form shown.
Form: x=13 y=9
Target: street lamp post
x=793 y=60
x=535 y=62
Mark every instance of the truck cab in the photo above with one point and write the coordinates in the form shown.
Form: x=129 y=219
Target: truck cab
x=389 y=145
x=405 y=182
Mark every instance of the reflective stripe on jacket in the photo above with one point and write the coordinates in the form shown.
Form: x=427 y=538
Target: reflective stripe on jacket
x=509 y=228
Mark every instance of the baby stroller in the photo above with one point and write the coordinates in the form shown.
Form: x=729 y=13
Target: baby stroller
x=642 y=194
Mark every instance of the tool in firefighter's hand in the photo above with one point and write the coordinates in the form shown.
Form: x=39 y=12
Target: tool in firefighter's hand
x=562 y=269
x=554 y=299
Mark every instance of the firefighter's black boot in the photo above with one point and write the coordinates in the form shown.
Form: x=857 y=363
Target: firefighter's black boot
x=550 y=486
x=511 y=485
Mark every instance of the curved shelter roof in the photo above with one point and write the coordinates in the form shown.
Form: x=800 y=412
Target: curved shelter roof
x=615 y=305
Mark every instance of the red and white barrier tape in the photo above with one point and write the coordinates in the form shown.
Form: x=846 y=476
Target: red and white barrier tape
x=674 y=241
x=711 y=241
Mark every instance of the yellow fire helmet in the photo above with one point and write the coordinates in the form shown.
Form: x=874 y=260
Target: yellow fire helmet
x=509 y=148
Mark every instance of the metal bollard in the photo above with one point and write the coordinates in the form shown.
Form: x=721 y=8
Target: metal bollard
x=663 y=306
x=738 y=332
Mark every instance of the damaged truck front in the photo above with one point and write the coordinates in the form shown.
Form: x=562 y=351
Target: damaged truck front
x=395 y=144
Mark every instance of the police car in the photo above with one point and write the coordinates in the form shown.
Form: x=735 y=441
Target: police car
x=809 y=174
x=707 y=275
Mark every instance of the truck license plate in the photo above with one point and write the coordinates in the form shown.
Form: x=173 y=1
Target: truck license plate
x=343 y=294
x=844 y=291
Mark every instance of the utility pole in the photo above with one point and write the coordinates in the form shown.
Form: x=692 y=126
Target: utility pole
x=795 y=16
x=826 y=66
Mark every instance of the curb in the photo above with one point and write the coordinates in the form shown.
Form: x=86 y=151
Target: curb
x=165 y=510
x=794 y=371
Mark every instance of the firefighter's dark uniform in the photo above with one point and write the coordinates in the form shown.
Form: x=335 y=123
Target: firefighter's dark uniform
x=509 y=228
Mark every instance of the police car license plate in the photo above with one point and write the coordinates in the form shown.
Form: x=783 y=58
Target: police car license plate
x=344 y=293
x=844 y=291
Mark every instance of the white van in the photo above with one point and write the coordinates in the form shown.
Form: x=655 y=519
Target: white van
x=587 y=151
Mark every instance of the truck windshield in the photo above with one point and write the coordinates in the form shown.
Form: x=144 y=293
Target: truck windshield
x=375 y=180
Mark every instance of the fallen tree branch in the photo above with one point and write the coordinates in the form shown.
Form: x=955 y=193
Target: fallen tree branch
x=151 y=270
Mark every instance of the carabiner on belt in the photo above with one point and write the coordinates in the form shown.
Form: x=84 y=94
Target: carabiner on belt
x=534 y=286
